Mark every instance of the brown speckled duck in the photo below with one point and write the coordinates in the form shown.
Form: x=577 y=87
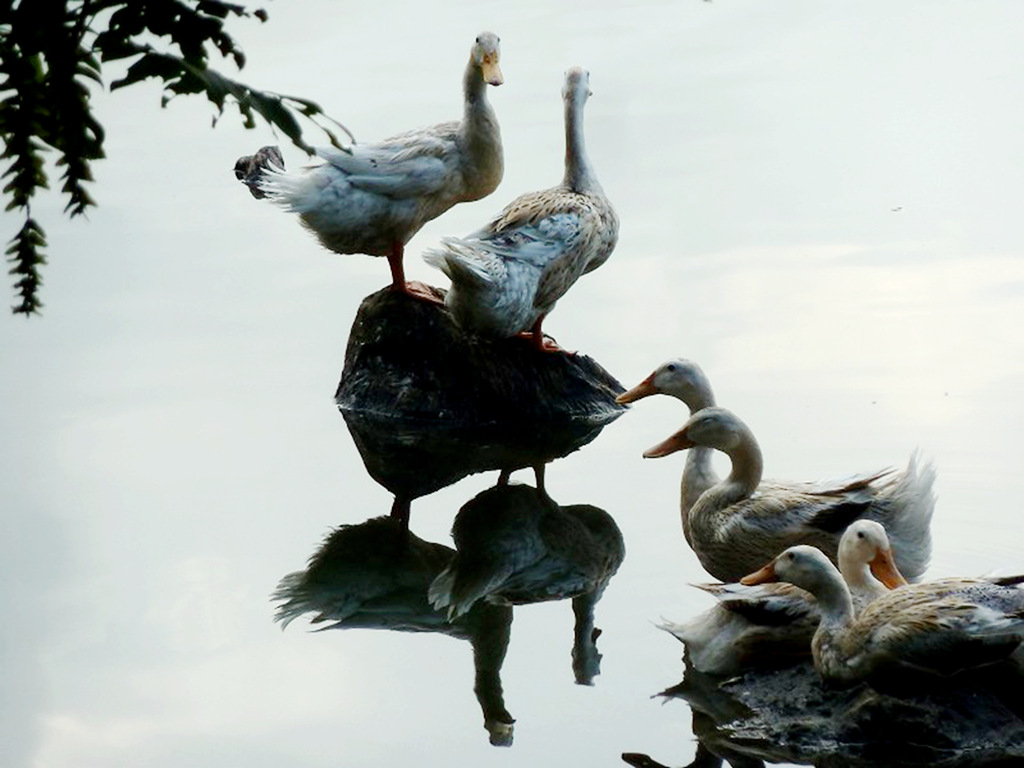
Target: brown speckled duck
x=940 y=627
x=507 y=276
x=740 y=522
x=772 y=624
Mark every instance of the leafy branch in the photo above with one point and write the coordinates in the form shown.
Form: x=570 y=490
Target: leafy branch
x=52 y=50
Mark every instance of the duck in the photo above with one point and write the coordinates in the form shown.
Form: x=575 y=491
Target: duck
x=772 y=624
x=684 y=380
x=372 y=198
x=936 y=629
x=739 y=522
x=507 y=276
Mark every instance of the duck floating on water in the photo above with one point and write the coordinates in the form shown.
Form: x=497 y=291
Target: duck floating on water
x=739 y=521
x=372 y=198
x=507 y=276
x=938 y=628
x=772 y=624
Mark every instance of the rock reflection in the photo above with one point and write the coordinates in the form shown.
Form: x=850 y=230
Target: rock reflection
x=375 y=575
x=428 y=404
x=789 y=716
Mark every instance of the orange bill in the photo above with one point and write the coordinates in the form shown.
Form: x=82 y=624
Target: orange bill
x=883 y=567
x=644 y=389
x=491 y=70
x=678 y=442
x=762 y=576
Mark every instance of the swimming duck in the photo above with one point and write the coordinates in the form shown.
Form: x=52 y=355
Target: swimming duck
x=372 y=198
x=920 y=628
x=772 y=624
x=740 y=521
x=507 y=276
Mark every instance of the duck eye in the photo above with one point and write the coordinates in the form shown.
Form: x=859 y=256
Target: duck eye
x=672 y=367
x=860 y=534
x=478 y=41
x=791 y=555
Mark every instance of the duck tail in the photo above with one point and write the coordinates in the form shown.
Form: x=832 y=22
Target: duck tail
x=910 y=499
x=464 y=264
x=458 y=590
x=293 y=597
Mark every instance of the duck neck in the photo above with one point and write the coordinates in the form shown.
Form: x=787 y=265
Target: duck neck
x=747 y=466
x=698 y=474
x=481 y=135
x=835 y=602
x=579 y=176
x=863 y=585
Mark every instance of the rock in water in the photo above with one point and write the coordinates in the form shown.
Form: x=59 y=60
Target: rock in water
x=428 y=404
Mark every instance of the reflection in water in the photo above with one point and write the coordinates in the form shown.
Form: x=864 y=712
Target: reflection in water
x=375 y=575
x=428 y=404
x=788 y=715
x=517 y=546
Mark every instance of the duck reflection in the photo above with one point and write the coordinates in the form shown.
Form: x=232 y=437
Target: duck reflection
x=375 y=575
x=788 y=715
x=428 y=404
x=517 y=546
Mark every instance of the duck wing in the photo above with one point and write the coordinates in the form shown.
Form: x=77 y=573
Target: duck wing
x=551 y=230
x=766 y=605
x=409 y=165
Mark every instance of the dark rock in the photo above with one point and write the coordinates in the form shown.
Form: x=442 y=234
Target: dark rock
x=789 y=715
x=428 y=404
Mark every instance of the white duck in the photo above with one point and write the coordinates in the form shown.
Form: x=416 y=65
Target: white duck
x=373 y=198
x=507 y=276
x=941 y=627
x=739 y=521
x=773 y=624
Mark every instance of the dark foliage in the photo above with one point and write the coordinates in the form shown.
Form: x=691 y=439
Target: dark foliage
x=51 y=51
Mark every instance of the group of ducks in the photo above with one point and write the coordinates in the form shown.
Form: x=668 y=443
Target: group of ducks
x=506 y=276
x=861 y=620
x=864 y=619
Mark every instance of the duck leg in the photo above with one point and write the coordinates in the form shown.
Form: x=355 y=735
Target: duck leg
x=400 y=509
x=541 y=342
x=416 y=290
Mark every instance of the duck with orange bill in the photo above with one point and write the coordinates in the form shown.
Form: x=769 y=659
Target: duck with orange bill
x=936 y=628
x=772 y=624
x=739 y=522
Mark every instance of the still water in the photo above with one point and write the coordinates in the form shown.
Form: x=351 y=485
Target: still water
x=819 y=204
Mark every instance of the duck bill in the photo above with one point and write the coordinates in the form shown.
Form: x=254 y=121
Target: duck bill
x=644 y=389
x=678 y=442
x=763 y=576
x=491 y=70
x=883 y=568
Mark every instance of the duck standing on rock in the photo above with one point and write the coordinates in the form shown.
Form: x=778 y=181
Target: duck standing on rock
x=739 y=521
x=507 y=276
x=372 y=198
